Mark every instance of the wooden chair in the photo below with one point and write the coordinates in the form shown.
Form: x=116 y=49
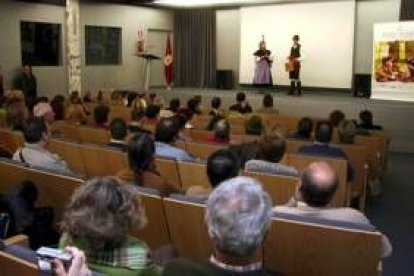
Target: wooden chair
x=193 y=174
x=187 y=229
x=13 y=266
x=54 y=189
x=374 y=144
x=202 y=150
x=101 y=161
x=69 y=152
x=200 y=122
x=94 y=136
x=198 y=135
x=155 y=233
x=301 y=162
x=299 y=248
x=280 y=188
x=119 y=111
x=168 y=169
x=240 y=138
x=11 y=140
x=64 y=130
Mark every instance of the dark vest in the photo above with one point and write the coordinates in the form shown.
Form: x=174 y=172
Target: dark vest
x=295 y=52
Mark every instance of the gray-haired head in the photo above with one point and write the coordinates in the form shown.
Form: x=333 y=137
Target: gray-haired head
x=238 y=215
x=222 y=130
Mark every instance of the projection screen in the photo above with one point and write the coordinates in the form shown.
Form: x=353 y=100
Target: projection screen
x=326 y=31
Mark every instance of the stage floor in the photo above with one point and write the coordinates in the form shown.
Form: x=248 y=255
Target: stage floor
x=394 y=116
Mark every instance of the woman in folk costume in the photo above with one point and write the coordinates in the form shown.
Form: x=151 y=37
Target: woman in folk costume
x=262 y=74
x=294 y=60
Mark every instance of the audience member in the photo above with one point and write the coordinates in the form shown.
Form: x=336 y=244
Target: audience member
x=58 y=106
x=26 y=82
x=254 y=125
x=336 y=117
x=182 y=124
x=272 y=150
x=152 y=114
x=242 y=106
x=34 y=153
x=137 y=121
x=99 y=219
x=101 y=114
x=193 y=108
x=77 y=266
x=221 y=133
x=45 y=111
x=347 y=131
x=174 y=105
x=87 y=98
x=367 y=122
x=142 y=170
x=268 y=105
x=166 y=134
x=118 y=130
x=75 y=113
x=215 y=107
x=238 y=214
x=305 y=128
x=245 y=152
x=16 y=113
x=318 y=185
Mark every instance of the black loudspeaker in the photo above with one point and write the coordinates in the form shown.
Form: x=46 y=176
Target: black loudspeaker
x=362 y=85
x=224 y=79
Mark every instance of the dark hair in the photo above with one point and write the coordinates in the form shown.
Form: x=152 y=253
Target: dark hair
x=58 y=106
x=26 y=190
x=336 y=117
x=347 y=131
x=102 y=213
x=216 y=103
x=130 y=98
x=166 y=131
x=316 y=195
x=152 y=111
x=192 y=105
x=386 y=59
x=180 y=120
x=268 y=100
x=323 y=132
x=272 y=148
x=141 y=150
x=101 y=113
x=222 y=130
x=254 y=125
x=366 y=117
x=213 y=122
x=137 y=114
x=305 y=127
x=240 y=97
x=296 y=37
x=175 y=105
x=34 y=130
x=118 y=129
x=222 y=165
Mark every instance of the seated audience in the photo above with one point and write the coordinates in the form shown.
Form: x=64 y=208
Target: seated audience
x=268 y=106
x=173 y=108
x=318 y=185
x=336 y=117
x=75 y=112
x=221 y=165
x=321 y=147
x=347 y=131
x=152 y=113
x=305 y=128
x=16 y=114
x=238 y=214
x=254 y=125
x=242 y=106
x=215 y=107
x=271 y=151
x=142 y=170
x=34 y=153
x=99 y=219
x=245 y=152
x=221 y=133
x=118 y=131
x=76 y=267
x=166 y=134
x=193 y=108
x=182 y=124
x=367 y=122
x=101 y=114
x=137 y=121
x=58 y=106
x=87 y=98
x=45 y=111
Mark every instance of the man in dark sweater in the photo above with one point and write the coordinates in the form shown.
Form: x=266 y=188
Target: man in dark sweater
x=27 y=83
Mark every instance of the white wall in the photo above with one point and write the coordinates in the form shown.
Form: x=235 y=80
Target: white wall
x=51 y=79
x=368 y=13
x=130 y=74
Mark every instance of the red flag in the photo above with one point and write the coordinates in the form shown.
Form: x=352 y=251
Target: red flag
x=168 y=62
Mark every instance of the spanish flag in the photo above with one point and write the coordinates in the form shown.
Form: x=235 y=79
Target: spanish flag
x=168 y=62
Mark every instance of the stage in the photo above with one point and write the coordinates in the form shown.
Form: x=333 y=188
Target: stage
x=394 y=116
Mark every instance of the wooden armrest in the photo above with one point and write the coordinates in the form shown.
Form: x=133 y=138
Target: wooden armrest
x=21 y=240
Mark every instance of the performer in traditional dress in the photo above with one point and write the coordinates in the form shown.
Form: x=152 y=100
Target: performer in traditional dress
x=294 y=67
x=262 y=74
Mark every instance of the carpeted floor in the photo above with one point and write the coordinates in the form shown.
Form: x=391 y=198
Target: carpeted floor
x=393 y=213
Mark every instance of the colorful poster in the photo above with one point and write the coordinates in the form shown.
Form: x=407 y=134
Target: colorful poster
x=393 y=61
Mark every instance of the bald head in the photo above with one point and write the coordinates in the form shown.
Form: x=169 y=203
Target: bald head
x=318 y=184
x=222 y=130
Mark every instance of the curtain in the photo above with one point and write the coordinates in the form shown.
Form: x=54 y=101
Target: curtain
x=195 y=48
x=407 y=10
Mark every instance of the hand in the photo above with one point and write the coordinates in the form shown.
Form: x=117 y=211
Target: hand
x=77 y=267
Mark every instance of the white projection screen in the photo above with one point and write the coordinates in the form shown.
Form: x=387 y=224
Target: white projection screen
x=326 y=31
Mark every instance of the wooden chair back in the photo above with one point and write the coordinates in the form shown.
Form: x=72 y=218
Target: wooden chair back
x=65 y=130
x=202 y=150
x=188 y=230
x=297 y=248
x=193 y=174
x=94 y=136
x=198 y=135
x=120 y=111
x=70 y=152
x=301 y=162
x=200 y=122
x=168 y=169
x=280 y=188
x=12 y=266
x=11 y=140
x=240 y=138
x=375 y=146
